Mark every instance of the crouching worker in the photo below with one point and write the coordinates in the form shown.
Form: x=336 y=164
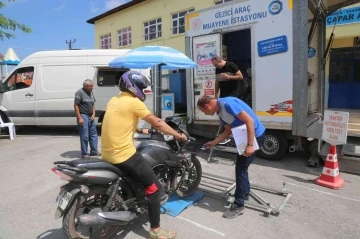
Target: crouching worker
x=234 y=112
x=117 y=142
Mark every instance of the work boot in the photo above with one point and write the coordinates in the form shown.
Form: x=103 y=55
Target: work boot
x=233 y=211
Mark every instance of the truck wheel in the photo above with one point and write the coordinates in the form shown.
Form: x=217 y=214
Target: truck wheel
x=275 y=146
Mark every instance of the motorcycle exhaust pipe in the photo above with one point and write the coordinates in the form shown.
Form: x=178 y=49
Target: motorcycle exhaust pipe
x=106 y=218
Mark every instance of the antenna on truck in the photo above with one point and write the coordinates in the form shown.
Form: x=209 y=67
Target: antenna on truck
x=70 y=43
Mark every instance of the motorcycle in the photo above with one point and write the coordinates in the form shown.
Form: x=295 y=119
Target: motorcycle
x=100 y=198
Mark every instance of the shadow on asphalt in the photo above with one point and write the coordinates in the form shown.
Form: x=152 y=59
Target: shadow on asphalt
x=52 y=234
x=135 y=227
x=71 y=154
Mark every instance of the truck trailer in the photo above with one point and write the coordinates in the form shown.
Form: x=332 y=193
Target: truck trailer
x=281 y=49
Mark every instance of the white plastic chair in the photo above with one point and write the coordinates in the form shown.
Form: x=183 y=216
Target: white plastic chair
x=11 y=127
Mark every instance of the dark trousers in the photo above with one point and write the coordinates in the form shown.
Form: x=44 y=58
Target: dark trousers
x=242 y=177
x=139 y=168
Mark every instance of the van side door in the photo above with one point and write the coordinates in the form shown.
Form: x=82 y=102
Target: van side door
x=19 y=97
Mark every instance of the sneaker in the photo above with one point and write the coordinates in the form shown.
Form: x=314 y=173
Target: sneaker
x=225 y=141
x=247 y=196
x=233 y=211
x=85 y=156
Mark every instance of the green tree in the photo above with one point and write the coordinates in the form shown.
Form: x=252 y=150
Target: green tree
x=8 y=25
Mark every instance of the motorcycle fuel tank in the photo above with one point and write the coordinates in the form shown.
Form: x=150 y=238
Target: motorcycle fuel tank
x=158 y=153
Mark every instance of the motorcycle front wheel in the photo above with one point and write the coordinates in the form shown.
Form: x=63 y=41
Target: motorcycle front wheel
x=189 y=179
x=93 y=202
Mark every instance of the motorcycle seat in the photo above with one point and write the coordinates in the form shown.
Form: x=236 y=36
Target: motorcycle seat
x=96 y=164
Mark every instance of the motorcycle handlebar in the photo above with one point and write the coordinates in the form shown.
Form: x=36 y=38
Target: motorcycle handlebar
x=154 y=131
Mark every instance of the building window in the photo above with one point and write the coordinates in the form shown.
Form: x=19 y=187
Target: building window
x=221 y=1
x=124 y=36
x=152 y=29
x=178 y=21
x=105 y=41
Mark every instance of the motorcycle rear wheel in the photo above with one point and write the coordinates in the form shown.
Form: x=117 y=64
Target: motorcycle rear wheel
x=197 y=169
x=69 y=219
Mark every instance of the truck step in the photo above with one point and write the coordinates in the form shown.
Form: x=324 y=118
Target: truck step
x=354 y=118
x=354 y=129
x=352 y=150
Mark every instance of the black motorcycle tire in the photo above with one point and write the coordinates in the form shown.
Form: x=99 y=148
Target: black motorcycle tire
x=69 y=217
x=194 y=187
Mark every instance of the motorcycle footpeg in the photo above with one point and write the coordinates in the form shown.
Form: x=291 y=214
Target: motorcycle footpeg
x=141 y=210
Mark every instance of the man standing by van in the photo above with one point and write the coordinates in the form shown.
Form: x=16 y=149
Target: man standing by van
x=84 y=105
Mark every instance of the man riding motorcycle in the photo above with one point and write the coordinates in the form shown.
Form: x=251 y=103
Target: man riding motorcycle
x=117 y=142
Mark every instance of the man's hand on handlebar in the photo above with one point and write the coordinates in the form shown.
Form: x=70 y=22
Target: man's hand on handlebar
x=181 y=137
x=145 y=131
x=178 y=137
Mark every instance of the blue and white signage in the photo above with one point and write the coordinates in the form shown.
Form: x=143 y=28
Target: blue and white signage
x=167 y=108
x=272 y=46
x=344 y=16
x=275 y=7
x=231 y=15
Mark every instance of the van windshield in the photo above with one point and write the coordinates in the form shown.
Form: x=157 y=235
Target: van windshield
x=20 y=79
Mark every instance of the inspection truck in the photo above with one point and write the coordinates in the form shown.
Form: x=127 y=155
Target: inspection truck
x=281 y=49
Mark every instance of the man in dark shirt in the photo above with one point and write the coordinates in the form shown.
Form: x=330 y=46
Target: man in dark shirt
x=227 y=77
x=227 y=80
x=84 y=105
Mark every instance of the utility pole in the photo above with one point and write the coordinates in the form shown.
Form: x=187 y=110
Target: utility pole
x=70 y=43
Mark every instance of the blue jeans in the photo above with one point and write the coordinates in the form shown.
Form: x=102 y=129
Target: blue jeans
x=242 y=177
x=88 y=135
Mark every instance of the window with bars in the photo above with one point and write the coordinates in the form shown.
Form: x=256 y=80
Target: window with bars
x=105 y=41
x=178 y=21
x=124 y=36
x=221 y=1
x=152 y=29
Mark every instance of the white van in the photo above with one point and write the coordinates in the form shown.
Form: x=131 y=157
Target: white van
x=41 y=89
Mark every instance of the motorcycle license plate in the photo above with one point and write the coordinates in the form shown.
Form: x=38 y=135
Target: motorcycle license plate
x=64 y=200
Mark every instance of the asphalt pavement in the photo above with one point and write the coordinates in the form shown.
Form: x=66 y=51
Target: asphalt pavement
x=29 y=188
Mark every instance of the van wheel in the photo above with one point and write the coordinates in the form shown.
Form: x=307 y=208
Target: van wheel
x=275 y=146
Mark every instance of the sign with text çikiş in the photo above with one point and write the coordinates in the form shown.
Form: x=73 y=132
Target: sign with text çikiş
x=335 y=127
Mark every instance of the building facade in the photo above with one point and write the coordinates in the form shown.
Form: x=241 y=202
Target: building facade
x=345 y=24
x=343 y=62
x=146 y=22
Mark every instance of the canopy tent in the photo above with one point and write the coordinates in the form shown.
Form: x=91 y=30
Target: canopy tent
x=9 y=59
x=158 y=58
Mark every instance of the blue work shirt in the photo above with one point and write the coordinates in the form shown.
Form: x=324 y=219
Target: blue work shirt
x=230 y=107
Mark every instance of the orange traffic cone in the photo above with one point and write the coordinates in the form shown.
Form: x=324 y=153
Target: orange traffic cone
x=330 y=176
